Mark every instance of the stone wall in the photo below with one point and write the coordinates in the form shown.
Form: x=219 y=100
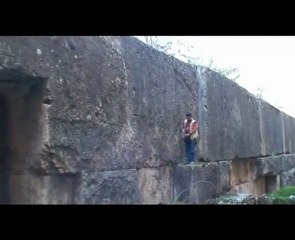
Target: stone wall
x=102 y=123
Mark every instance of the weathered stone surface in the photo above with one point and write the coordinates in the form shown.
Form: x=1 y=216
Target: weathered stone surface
x=93 y=104
x=161 y=91
x=240 y=170
x=196 y=184
x=288 y=178
x=36 y=189
x=143 y=93
x=289 y=133
x=224 y=169
x=109 y=100
x=229 y=112
x=156 y=185
x=274 y=165
x=108 y=187
x=87 y=85
x=271 y=129
x=242 y=177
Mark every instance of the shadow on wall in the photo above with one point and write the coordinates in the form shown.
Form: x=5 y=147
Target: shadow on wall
x=21 y=98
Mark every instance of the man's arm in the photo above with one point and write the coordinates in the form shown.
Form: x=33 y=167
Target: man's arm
x=194 y=129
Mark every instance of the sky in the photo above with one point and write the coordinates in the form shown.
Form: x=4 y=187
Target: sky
x=265 y=62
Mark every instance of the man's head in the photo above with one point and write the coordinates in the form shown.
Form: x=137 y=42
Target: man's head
x=188 y=117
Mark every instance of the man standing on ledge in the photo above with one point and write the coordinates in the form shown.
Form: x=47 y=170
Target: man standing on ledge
x=190 y=130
